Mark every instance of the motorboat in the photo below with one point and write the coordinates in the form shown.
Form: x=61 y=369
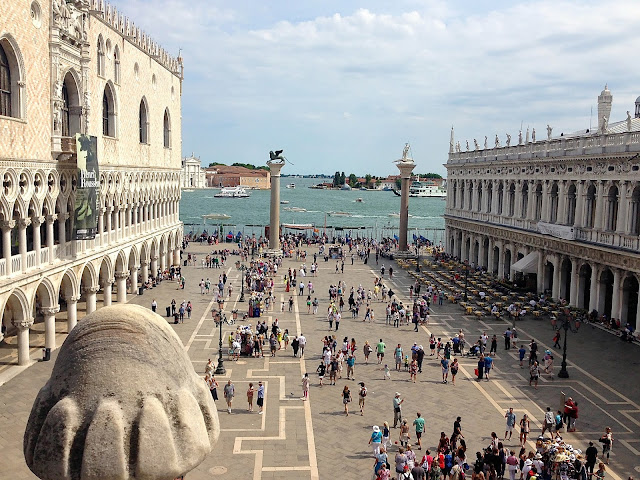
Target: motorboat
x=284 y=202
x=291 y=185
x=232 y=192
x=295 y=209
x=359 y=200
x=426 y=189
x=189 y=190
x=339 y=214
x=216 y=216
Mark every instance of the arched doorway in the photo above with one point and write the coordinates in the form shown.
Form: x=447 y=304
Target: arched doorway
x=565 y=280
x=629 y=311
x=549 y=270
x=496 y=261
x=606 y=293
x=15 y=329
x=507 y=264
x=584 y=286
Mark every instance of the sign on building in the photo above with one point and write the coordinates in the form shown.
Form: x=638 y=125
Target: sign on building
x=86 y=207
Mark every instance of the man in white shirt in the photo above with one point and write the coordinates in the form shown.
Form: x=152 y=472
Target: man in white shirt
x=302 y=341
x=548 y=422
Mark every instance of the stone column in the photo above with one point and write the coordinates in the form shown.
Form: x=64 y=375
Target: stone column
x=37 y=241
x=72 y=312
x=23 y=327
x=555 y=290
x=405 y=166
x=541 y=269
x=163 y=262
x=544 y=214
x=561 y=218
x=517 y=201
x=62 y=229
x=600 y=199
x=106 y=292
x=50 y=326
x=575 y=279
x=481 y=251
x=121 y=284
x=623 y=208
x=50 y=240
x=23 y=223
x=501 y=262
x=593 y=290
x=101 y=221
x=616 y=304
x=108 y=217
x=154 y=266
x=531 y=203
x=7 y=226
x=91 y=294
x=490 y=256
x=580 y=201
x=274 y=211
x=133 y=275
x=145 y=271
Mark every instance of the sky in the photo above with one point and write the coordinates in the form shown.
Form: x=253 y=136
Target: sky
x=342 y=85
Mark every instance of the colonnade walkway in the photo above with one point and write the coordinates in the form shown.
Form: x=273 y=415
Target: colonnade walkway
x=299 y=440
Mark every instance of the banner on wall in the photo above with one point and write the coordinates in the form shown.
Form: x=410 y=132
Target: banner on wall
x=85 y=224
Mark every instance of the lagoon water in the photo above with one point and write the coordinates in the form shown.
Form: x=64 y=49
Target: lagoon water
x=249 y=215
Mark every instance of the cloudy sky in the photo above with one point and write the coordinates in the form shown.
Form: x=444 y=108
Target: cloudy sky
x=342 y=85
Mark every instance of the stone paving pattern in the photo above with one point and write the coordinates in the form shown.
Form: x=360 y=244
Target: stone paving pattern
x=299 y=440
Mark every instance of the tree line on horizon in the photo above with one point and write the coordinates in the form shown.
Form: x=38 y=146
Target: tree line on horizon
x=249 y=166
x=339 y=179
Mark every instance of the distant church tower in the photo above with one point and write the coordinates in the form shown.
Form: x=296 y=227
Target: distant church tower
x=604 y=106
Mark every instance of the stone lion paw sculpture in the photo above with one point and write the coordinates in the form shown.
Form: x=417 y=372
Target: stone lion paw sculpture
x=123 y=401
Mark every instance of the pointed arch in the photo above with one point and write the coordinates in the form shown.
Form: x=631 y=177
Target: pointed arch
x=12 y=78
x=109 y=111
x=143 y=121
x=100 y=62
x=167 y=128
x=116 y=65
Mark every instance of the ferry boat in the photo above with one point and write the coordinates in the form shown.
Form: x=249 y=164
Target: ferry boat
x=339 y=214
x=291 y=185
x=232 y=192
x=295 y=209
x=426 y=189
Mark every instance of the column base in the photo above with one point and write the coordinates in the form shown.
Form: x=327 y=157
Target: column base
x=272 y=252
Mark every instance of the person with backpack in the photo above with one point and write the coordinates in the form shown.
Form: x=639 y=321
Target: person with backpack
x=362 y=395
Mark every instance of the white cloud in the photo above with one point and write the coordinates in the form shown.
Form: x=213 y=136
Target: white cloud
x=409 y=72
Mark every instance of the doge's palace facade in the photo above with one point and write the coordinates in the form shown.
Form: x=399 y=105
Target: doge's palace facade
x=562 y=210
x=69 y=67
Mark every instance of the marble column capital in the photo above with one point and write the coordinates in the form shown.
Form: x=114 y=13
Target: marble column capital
x=23 y=324
x=154 y=257
x=37 y=220
x=51 y=218
x=24 y=222
x=73 y=299
x=63 y=216
x=95 y=289
x=7 y=224
x=122 y=275
x=50 y=310
x=107 y=283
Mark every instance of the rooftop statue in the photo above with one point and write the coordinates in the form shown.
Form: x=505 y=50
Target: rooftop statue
x=123 y=401
x=520 y=137
x=549 y=130
x=533 y=135
x=405 y=153
x=475 y=144
x=485 y=143
x=508 y=140
x=628 y=121
x=497 y=141
x=467 y=145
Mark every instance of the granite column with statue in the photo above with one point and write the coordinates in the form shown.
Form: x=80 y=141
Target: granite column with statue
x=406 y=166
x=274 y=223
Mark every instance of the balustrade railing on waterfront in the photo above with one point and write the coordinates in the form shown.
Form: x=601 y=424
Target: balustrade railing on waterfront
x=44 y=255
x=16 y=263
x=3 y=267
x=31 y=259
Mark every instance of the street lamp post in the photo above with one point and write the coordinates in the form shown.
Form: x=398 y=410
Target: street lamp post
x=242 y=279
x=566 y=326
x=418 y=256
x=220 y=370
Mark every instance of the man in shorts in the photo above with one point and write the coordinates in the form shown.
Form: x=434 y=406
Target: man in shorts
x=419 y=423
x=380 y=351
x=362 y=394
x=549 y=421
x=511 y=422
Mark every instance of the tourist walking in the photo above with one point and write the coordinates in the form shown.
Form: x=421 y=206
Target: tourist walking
x=302 y=341
x=346 y=399
x=213 y=385
x=397 y=354
x=454 y=370
x=397 y=409
x=511 y=423
x=534 y=374
x=229 y=393
x=305 y=386
x=413 y=370
x=419 y=424
x=380 y=351
x=154 y=305
x=250 y=392
x=375 y=440
x=445 y=369
x=362 y=395
x=607 y=443
x=260 y=397
x=525 y=428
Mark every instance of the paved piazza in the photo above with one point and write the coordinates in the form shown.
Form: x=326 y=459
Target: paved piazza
x=299 y=440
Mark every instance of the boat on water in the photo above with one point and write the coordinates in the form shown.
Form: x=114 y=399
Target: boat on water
x=291 y=185
x=232 y=192
x=216 y=216
x=188 y=190
x=397 y=215
x=284 y=202
x=319 y=186
x=339 y=214
x=295 y=209
x=359 y=200
x=426 y=189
